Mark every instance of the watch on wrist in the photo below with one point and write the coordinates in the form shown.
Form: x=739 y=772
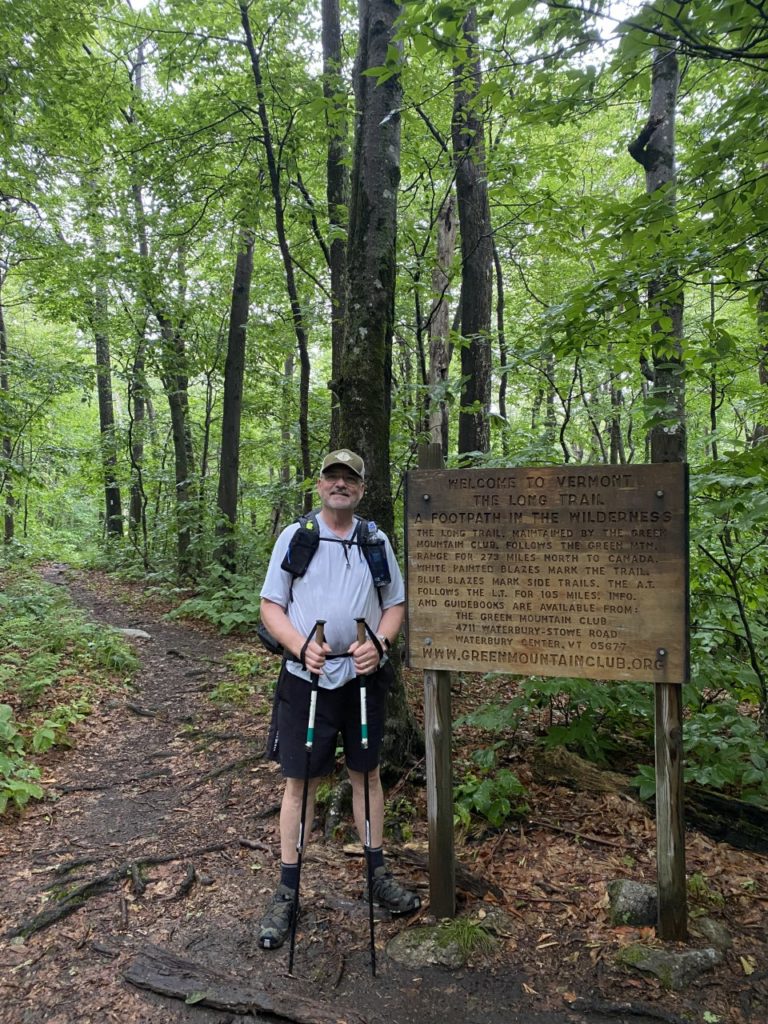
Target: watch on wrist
x=384 y=641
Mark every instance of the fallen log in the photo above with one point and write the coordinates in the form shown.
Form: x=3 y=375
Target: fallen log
x=727 y=819
x=160 y=971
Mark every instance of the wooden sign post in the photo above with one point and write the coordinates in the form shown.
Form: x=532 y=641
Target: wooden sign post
x=558 y=571
x=438 y=731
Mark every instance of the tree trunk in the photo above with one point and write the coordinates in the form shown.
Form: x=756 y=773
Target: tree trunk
x=618 y=455
x=439 y=325
x=98 y=315
x=234 y=372
x=366 y=376
x=137 y=383
x=501 y=333
x=337 y=195
x=137 y=516
x=113 y=502
x=654 y=149
x=366 y=373
x=297 y=312
x=174 y=375
x=550 y=414
x=760 y=432
x=476 y=247
x=7 y=447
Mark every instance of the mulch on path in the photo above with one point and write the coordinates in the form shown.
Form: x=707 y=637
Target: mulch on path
x=160 y=834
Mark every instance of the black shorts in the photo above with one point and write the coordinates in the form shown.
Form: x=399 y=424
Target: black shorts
x=338 y=713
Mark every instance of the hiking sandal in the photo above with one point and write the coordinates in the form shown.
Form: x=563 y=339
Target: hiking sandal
x=276 y=922
x=390 y=895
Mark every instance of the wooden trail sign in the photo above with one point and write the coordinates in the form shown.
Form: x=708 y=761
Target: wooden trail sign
x=561 y=571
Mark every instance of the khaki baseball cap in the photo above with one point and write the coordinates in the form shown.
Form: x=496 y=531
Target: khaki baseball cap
x=344 y=457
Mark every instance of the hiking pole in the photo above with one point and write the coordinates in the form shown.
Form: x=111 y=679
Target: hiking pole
x=315 y=681
x=367 y=795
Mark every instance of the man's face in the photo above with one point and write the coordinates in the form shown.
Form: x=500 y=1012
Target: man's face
x=340 y=489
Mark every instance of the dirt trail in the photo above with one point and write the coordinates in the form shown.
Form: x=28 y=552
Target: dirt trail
x=160 y=833
x=162 y=773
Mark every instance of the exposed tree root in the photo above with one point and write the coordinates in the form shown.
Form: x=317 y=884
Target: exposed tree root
x=160 y=971
x=140 y=710
x=98 y=787
x=465 y=879
x=268 y=811
x=189 y=880
x=232 y=766
x=586 y=836
x=607 y=1008
x=75 y=899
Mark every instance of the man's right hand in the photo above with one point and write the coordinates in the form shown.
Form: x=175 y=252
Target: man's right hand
x=315 y=655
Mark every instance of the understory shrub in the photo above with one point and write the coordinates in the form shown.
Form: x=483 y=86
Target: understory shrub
x=228 y=601
x=53 y=663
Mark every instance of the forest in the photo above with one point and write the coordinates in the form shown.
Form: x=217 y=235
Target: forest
x=234 y=236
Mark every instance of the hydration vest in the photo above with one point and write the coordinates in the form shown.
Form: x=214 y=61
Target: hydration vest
x=306 y=540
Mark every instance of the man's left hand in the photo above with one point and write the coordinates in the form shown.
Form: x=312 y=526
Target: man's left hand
x=365 y=657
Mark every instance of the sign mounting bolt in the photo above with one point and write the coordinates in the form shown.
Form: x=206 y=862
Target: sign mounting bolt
x=659 y=494
x=662 y=652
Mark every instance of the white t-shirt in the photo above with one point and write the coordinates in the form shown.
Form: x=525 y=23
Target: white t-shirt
x=337 y=587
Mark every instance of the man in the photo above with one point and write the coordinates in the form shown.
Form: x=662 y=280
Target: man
x=338 y=588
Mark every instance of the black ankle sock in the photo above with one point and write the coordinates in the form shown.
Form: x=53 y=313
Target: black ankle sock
x=377 y=858
x=289 y=875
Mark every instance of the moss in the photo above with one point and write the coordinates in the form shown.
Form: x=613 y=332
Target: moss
x=638 y=956
x=631 y=956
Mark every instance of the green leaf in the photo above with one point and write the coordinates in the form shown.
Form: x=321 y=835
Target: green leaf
x=422 y=44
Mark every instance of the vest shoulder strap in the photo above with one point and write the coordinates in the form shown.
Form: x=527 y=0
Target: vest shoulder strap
x=306 y=540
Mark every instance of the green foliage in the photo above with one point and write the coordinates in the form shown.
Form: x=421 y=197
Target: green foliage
x=470 y=936
x=588 y=717
x=645 y=780
x=592 y=718
x=497 y=717
x=17 y=778
x=230 y=602
x=53 y=730
x=398 y=817
x=52 y=665
x=246 y=664
x=702 y=893
x=725 y=749
x=249 y=674
x=43 y=640
x=729 y=599
x=495 y=794
x=578 y=241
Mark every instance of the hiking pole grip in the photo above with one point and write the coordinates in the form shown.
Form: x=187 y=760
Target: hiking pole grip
x=319 y=632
